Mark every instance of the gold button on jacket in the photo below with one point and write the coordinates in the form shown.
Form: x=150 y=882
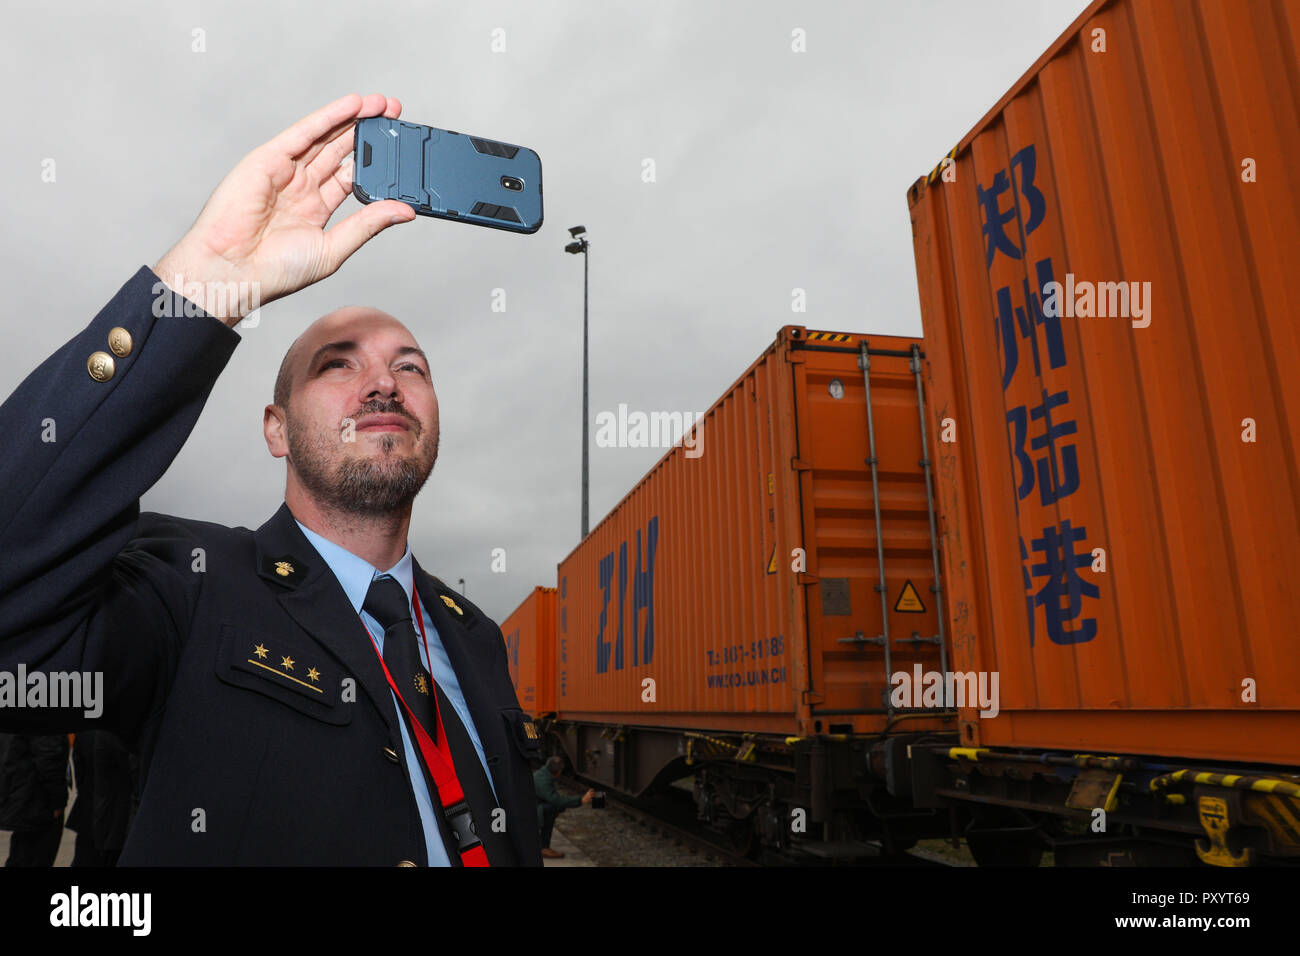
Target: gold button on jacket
x=101 y=367
x=120 y=342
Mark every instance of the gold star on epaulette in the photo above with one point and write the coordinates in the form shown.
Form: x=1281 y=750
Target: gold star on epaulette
x=286 y=663
x=451 y=604
x=260 y=651
x=313 y=674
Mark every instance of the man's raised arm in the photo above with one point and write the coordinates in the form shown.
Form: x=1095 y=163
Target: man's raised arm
x=85 y=585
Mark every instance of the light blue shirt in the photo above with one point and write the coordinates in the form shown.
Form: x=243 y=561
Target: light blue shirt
x=355 y=575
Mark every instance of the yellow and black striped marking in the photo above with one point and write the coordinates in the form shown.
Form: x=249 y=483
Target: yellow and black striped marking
x=1233 y=781
x=935 y=173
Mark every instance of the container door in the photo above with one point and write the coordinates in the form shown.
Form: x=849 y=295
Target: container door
x=873 y=612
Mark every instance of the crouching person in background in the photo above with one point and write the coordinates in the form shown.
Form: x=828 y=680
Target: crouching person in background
x=550 y=804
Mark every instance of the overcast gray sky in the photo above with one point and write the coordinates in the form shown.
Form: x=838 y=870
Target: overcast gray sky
x=775 y=170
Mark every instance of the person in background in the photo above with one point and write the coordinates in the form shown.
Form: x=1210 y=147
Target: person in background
x=550 y=804
x=107 y=784
x=33 y=795
x=81 y=817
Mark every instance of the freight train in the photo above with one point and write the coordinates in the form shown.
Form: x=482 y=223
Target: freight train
x=1024 y=581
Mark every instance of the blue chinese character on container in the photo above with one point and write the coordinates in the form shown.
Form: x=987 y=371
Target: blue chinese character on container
x=1058 y=468
x=1013 y=323
x=996 y=220
x=1062 y=592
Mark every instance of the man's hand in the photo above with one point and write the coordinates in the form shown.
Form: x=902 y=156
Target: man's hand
x=265 y=222
x=586 y=797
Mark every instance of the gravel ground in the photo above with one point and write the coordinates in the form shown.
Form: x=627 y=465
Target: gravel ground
x=612 y=839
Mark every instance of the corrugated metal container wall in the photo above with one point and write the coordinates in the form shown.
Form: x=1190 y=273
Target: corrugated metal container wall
x=691 y=580
x=529 y=632
x=1153 y=144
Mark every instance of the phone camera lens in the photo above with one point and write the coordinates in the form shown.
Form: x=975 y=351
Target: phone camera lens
x=510 y=182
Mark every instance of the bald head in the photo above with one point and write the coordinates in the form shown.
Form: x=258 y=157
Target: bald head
x=355 y=415
x=331 y=327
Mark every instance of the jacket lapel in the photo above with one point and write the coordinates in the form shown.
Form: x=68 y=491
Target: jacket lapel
x=313 y=597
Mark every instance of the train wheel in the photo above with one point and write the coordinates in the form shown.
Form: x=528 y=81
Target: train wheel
x=742 y=836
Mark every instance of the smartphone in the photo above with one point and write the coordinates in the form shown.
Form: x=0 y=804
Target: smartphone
x=448 y=175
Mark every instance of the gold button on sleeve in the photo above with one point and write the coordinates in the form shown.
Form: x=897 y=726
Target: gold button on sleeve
x=101 y=367
x=120 y=342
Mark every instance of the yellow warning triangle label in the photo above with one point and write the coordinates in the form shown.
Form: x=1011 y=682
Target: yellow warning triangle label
x=909 y=601
x=771 y=562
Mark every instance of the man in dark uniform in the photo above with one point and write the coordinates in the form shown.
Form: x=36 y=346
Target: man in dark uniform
x=300 y=694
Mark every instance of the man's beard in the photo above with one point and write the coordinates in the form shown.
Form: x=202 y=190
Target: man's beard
x=365 y=487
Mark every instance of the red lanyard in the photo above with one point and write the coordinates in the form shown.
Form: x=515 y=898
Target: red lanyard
x=440 y=764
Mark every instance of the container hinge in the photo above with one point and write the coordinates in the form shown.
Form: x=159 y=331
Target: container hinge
x=798 y=464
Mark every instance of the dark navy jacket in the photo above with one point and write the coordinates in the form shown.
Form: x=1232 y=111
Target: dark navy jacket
x=241 y=766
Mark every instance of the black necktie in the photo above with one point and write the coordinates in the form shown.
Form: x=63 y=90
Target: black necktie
x=386 y=602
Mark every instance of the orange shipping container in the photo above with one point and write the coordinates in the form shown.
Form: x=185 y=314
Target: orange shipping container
x=1119 y=507
x=529 y=633
x=736 y=589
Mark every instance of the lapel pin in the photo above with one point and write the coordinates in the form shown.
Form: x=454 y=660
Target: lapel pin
x=286 y=569
x=451 y=604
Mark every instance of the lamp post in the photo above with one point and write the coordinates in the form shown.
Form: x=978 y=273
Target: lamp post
x=580 y=245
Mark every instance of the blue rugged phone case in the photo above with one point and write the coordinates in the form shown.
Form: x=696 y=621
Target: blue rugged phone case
x=448 y=175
